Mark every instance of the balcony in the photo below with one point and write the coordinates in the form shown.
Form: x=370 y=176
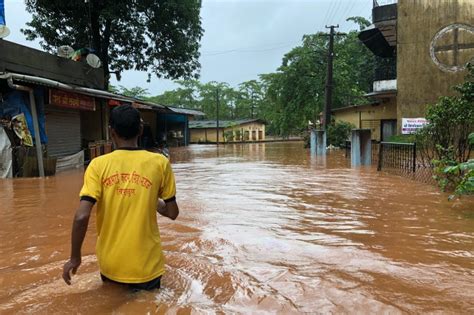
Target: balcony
x=384 y=17
x=381 y=36
x=386 y=71
x=385 y=79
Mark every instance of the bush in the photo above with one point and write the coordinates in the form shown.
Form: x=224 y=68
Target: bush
x=228 y=135
x=338 y=133
x=402 y=138
x=449 y=138
x=457 y=177
x=238 y=135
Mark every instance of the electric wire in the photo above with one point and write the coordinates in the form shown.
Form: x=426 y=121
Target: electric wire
x=335 y=12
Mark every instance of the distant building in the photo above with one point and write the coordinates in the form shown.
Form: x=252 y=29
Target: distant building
x=243 y=130
x=423 y=46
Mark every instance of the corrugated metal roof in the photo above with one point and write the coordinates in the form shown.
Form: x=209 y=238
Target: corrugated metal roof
x=186 y=111
x=138 y=103
x=205 y=124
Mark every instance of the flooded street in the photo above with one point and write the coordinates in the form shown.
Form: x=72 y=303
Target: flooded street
x=264 y=228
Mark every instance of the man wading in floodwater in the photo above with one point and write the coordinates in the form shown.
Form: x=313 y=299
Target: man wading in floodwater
x=126 y=185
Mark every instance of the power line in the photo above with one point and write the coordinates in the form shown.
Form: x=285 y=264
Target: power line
x=248 y=50
x=342 y=11
x=327 y=12
x=335 y=11
x=349 y=9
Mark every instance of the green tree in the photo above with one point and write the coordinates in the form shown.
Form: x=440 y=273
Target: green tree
x=186 y=95
x=250 y=97
x=448 y=140
x=208 y=99
x=160 y=37
x=295 y=93
x=137 y=92
x=338 y=133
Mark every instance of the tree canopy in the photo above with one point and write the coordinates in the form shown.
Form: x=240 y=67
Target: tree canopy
x=158 y=36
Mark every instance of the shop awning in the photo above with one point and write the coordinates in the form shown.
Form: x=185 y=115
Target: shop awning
x=77 y=89
x=186 y=111
x=114 y=99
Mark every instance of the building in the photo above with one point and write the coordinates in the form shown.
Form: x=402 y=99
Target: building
x=243 y=130
x=379 y=117
x=66 y=102
x=173 y=125
x=423 y=47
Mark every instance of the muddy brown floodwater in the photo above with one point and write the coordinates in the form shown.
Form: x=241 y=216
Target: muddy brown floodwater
x=264 y=228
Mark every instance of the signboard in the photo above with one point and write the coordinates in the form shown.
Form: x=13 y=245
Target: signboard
x=411 y=125
x=71 y=100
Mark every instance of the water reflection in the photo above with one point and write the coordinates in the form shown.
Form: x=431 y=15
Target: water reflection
x=264 y=228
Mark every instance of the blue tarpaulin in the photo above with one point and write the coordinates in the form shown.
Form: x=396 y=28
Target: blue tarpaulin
x=17 y=102
x=2 y=12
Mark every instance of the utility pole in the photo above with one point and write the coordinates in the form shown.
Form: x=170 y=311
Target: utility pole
x=252 y=106
x=217 y=115
x=329 y=79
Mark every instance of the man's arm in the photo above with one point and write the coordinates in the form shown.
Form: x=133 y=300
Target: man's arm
x=79 y=229
x=168 y=209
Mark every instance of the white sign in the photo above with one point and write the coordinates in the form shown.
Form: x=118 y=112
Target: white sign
x=411 y=125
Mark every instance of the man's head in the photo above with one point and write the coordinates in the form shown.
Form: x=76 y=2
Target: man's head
x=125 y=122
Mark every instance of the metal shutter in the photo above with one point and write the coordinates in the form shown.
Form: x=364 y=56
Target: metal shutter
x=63 y=128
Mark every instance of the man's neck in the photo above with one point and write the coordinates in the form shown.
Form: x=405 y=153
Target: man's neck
x=132 y=143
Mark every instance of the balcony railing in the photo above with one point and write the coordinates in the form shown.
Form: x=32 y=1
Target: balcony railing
x=384 y=11
x=386 y=71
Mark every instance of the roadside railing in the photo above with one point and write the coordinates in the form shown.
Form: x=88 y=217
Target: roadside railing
x=400 y=159
x=405 y=159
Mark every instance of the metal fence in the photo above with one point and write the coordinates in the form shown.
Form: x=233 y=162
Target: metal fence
x=404 y=159
x=398 y=156
x=400 y=159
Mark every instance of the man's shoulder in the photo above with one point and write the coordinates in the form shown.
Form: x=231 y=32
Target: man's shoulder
x=100 y=159
x=157 y=157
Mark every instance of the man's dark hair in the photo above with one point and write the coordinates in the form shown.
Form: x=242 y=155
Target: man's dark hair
x=125 y=120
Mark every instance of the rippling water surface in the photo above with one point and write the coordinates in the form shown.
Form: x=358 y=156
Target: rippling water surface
x=263 y=228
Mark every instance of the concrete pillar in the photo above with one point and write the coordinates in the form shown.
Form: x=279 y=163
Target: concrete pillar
x=361 y=147
x=312 y=142
x=320 y=142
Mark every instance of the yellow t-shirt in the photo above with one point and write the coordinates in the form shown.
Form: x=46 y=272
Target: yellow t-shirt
x=126 y=185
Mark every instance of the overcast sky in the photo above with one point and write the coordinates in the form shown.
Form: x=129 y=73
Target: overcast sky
x=242 y=38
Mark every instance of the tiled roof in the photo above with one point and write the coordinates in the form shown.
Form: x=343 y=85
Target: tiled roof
x=205 y=124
